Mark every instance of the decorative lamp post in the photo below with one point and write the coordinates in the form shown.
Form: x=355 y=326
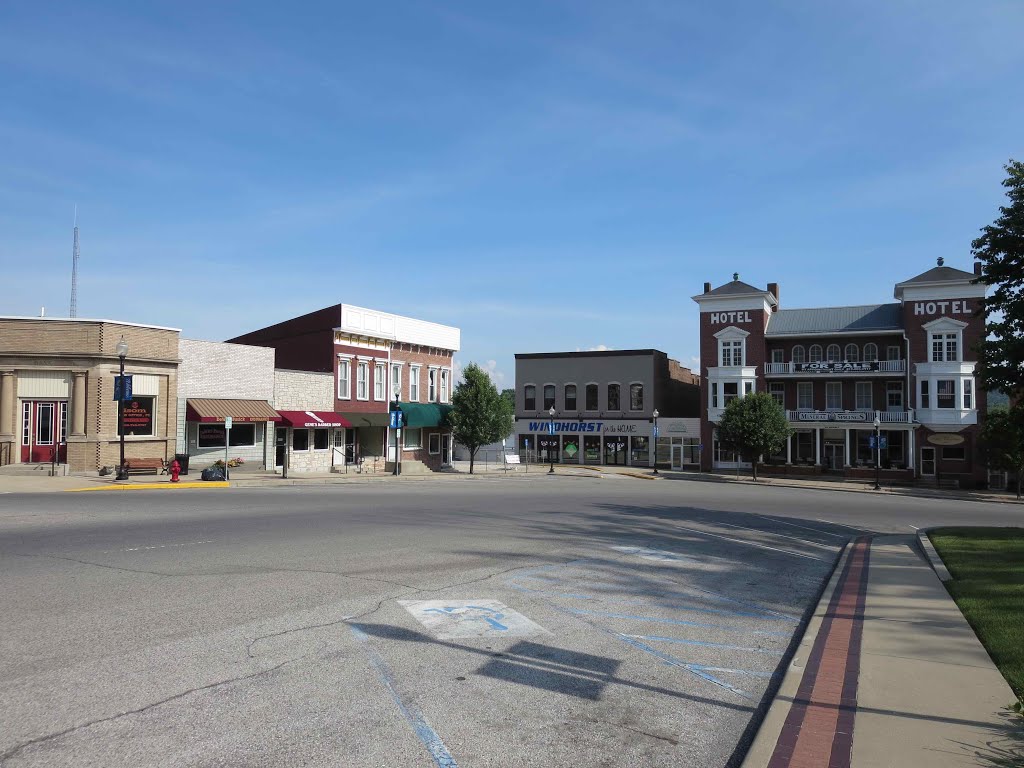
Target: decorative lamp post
x=878 y=454
x=654 y=442
x=122 y=352
x=397 y=421
x=551 y=433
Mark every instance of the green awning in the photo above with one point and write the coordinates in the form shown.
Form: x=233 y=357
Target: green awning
x=366 y=419
x=424 y=414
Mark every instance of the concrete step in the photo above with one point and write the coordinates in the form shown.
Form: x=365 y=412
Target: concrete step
x=410 y=467
x=34 y=470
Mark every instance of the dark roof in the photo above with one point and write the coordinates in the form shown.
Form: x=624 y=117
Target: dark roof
x=594 y=353
x=871 y=317
x=736 y=287
x=941 y=275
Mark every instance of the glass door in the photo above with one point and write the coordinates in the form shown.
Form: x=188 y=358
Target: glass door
x=280 y=443
x=928 y=461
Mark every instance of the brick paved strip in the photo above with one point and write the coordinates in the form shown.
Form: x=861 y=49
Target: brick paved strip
x=818 y=732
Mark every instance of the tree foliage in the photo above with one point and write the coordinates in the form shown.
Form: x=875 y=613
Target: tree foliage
x=754 y=426
x=1002 y=439
x=480 y=415
x=1001 y=251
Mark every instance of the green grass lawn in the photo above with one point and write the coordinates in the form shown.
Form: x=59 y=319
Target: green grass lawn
x=988 y=584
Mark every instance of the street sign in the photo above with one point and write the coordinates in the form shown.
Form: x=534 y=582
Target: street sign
x=227 y=422
x=656 y=431
x=551 y=427
x=396 y=419
x=127 y=388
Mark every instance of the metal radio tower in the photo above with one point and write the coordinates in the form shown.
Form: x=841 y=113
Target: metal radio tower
x=74 y=272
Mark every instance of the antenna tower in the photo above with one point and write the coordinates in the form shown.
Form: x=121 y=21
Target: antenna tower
x=74 y=272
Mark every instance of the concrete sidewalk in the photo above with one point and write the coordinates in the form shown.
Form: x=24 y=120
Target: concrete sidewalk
x=888 y=673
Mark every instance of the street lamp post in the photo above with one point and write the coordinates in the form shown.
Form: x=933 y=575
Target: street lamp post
x=878 y=454
x=654 y=441
x=398 y=437
x=551 y=433
x=122 y=352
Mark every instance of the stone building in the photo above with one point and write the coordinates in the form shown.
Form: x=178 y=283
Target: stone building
x=56 y=391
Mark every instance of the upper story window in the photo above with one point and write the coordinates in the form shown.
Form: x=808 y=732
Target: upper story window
x=968 y=388
x=834 y=395
x=778 y=355
x=444 y=385
x=396 y=381
x=613 y=397
x=852 y=353
x=945 y=393
x=591 y=394
x=814 y=353
x=432 y=385
x=833 y=354
x=530 y=397
x=870 y=352
x=777 y=389
x=636 y=397
x=549 y=396
x=363 y=381
x=799 y=354
x=892 y=352
x=570 y=397
x=730 y=391
x=731 y=353
x=945 y=347
x=378 y=381
x=414 y=383
x=345 y=379
x=805 y=395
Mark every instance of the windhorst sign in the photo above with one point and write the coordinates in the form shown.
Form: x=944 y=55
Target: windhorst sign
x=590 y=427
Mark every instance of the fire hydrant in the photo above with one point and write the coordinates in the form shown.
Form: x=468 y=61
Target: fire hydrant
x=175 y=471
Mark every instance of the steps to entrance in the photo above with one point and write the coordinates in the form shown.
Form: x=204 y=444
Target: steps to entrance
x=34 y=470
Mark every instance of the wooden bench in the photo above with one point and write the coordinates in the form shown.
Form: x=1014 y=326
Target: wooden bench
x=156 y=466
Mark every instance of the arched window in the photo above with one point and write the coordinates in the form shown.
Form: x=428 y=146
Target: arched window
x=799 y=354
x=814 y=354
x=870 y=352
x=591 y=393
x=570 y=397
x=549 y=396
x=613 y=397
x=530 y=397
x=852 y=353
x=833 y=353
x=636 y=397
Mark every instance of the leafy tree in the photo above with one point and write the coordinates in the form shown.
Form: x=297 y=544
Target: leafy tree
x=479 y=414
x=754 y=426
x=1001 y=251
x=1002 y=438
x=510 y=395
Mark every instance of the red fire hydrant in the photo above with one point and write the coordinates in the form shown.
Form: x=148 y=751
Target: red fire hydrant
x=175 y=471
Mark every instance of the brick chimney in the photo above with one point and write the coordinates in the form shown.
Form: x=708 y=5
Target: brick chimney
x=773 y=289
x=707 y=287
x=978 y=268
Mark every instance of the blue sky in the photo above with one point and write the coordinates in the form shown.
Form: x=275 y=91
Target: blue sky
x=545 y=175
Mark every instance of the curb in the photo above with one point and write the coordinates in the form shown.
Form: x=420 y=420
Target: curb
x=933 y=556
x=763 y=744
x=149 y=487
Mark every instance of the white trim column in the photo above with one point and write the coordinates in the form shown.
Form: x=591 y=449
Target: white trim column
x=789 y=449
x=912 y=453
x=848 y=447
x=817 y=447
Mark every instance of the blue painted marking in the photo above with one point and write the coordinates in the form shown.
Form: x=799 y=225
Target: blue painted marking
x=671 y=660
x=751 y=672
x=438 y=751
x=705 y=643
x=678 y=622
x=492 y=621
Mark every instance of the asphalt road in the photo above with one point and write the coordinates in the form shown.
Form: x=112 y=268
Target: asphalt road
x=508 y=622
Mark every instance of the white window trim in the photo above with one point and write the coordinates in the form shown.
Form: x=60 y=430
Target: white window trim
x=873 y=356
x=380 y=382
x=838 y=357
x=363 y=364
x=607 y=388
x=888 y=389
x=807 y=384
x=396 y=365
x=643 y=396
x=871 y=396
x=414 y=378
x=405 y=437
x=291 y=441
x=444 y=390
x=430 y=443
x=312 y=441
x=821 y=353
x=832 y=385
x=732 y=333
x=856 y=353
x=779 y=353
x=803 y=353
x=944 y=326
x=348 y=394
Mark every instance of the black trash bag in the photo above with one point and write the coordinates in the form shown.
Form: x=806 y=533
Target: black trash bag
x=213 y=473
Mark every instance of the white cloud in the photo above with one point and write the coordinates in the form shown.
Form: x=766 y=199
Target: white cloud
x=598 y=348
x=490 y=368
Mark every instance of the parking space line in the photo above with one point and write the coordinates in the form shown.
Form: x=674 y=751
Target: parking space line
x=704 y=643
x=797 y=525
x=750 y=543
x=679 y=622
x=842 y=525
x=437 y=749
x=773 y=533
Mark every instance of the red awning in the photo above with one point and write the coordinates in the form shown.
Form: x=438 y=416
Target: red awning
x=302 y=419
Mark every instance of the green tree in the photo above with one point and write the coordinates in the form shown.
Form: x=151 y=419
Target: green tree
x=754 y=426
x=1001 y=251
x=479 y=414
x=510 y=395
x=1002 y=439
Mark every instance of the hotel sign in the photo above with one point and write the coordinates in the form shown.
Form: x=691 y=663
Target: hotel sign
x=837 y=367
x=831 y=416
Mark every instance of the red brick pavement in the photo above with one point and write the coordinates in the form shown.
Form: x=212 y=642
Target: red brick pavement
x=818 y=732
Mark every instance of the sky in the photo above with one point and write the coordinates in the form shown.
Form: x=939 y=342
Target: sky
x=547 y=176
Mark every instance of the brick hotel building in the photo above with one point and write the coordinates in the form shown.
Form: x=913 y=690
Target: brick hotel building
x=910 y=364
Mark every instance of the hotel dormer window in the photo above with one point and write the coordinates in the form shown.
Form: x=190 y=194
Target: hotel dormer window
x=814 y=354
x=871 y=352
x=799 y=354
x=833 y=353
x=852 y=353
x=945 y=347
x=731 y=353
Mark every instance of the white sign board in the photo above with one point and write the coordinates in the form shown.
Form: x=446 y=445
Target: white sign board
x=227 y=422
x=461 y=618
x=511 y=458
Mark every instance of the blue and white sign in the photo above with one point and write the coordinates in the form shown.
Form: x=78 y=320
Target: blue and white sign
x=461 y=618
x=396 y=419
x=127 y=384
x=656 y=430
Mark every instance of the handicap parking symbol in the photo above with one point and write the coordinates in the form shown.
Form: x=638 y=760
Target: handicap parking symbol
x=491 y=619
x=471 y=617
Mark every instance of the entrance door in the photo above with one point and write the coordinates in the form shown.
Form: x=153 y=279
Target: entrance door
x=446 y=449
x=392 y=443
x=615 y=451
x=677 y=456
x=43 y=430
x=928 y=461
x=280 y=444
x=835 y=456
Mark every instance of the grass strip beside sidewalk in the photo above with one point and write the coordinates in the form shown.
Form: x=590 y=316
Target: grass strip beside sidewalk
x=987 y=565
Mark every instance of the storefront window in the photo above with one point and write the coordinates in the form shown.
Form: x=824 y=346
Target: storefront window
x=865 y=453
x=139 y=413
x=639 y=451
x=413 y=438
x=320 y=439
x=691 y=450
x=547 y=447
x=212 y=435
x=613 y=397
x=805 y=446
x=570 y=449
x=300 y=440
x=592 y=449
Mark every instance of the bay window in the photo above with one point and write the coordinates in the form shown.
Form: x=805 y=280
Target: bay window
x=945 y=393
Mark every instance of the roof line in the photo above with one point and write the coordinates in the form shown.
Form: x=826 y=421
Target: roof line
x=843 y=306
x=91 y=320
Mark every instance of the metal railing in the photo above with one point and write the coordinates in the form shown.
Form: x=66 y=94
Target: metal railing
x=850 y=417
x=884 y=366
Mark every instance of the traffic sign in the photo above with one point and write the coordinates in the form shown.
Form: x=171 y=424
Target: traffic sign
x=227 y=422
